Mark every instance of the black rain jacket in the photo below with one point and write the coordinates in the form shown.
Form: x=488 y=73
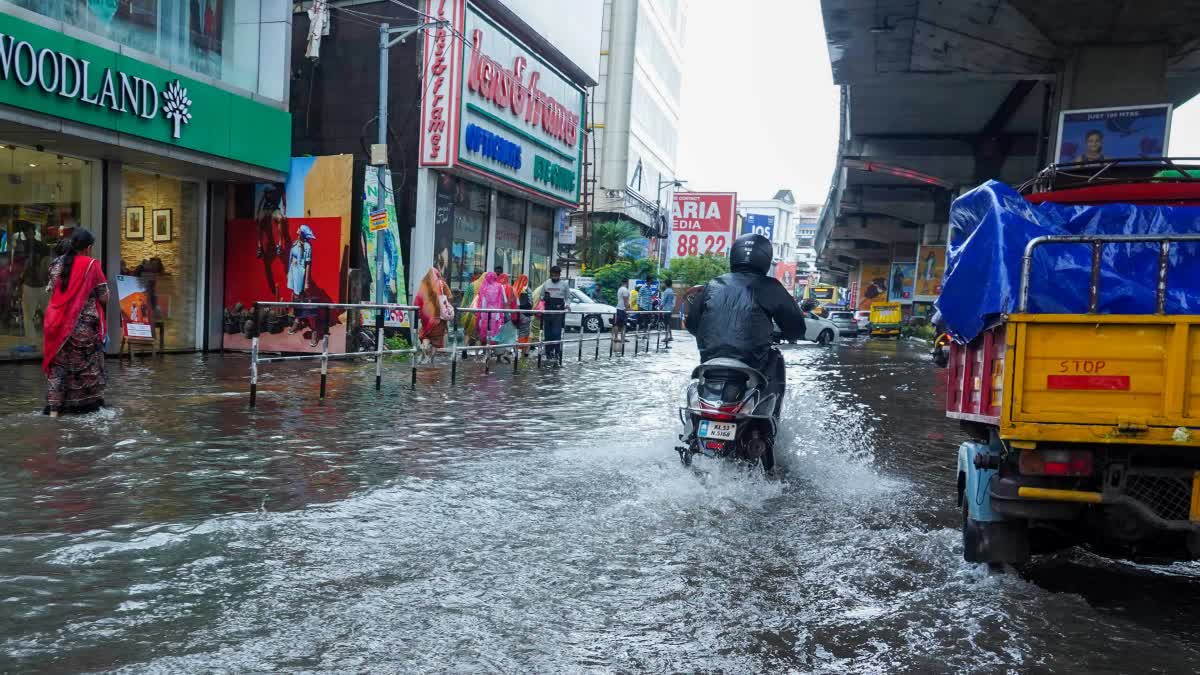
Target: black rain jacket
x=732 y=317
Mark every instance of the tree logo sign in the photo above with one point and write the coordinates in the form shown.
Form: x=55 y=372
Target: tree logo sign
x=176 y=105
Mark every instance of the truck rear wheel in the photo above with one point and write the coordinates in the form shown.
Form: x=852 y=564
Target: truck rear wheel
x=994 y=542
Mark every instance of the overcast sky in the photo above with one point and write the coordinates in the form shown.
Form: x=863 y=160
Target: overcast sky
x=760 y=110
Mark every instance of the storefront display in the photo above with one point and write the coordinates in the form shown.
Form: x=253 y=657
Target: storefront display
x=468 y=253
x=510 y=234
x=541 y=238
x=309 y=263
x=168 y=256
x=45 y=197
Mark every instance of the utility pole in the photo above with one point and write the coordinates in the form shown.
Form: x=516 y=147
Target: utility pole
x=379 y=152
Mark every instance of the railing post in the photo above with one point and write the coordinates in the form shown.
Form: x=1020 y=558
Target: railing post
x=254 y=367
x=378 y=349
x=414 y=339
x=657 y=334
x=596 y=357
x=453 y=365
x=324 y=363
x=637 y=337
x=582 y=332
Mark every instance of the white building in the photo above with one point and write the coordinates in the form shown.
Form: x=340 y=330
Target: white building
x=807 y=216
x=635 y=117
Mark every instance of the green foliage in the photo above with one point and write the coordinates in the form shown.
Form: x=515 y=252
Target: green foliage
x=604 y=245
x=609 y=277
x=698 y=270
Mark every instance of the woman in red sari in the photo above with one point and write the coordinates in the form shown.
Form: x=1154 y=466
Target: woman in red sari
x=75 y=330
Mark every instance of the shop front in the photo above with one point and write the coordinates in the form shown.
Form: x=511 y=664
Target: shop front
x=96 y=132
x=501 y=152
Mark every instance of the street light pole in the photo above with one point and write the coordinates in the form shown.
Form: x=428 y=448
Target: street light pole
x=658 y=261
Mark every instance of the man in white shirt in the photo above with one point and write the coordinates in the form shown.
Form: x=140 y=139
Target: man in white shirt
x=557 y=296
x=618 y=332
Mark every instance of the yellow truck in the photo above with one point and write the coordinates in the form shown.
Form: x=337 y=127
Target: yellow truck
x=886 y=318
x=1086 y=427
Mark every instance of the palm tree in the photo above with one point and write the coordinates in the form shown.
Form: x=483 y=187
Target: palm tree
x=604 y=247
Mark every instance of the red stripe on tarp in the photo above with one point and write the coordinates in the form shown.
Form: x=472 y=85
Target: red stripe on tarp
x=1103 y=382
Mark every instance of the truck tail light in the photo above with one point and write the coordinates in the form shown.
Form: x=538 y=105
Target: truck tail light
x=1056 y=462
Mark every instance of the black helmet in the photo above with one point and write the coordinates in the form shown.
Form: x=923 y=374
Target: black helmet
x=751 y=253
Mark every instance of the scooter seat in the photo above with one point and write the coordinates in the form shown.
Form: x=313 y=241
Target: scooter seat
x=757 y=379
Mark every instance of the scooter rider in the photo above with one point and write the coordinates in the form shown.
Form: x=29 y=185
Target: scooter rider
x=732 y=317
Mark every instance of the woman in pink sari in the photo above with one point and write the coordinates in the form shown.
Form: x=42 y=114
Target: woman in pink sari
x=491 y=296
x=75 y=330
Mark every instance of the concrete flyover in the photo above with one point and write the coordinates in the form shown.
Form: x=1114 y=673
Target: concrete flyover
x=938 y=96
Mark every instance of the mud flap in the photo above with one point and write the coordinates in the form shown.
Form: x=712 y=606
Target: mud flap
x=988 y=537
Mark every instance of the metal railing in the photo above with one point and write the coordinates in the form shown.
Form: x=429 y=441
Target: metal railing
x=1097 y=242
x=457 y=352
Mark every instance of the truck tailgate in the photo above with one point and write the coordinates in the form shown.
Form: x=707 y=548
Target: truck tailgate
x=1109 y=378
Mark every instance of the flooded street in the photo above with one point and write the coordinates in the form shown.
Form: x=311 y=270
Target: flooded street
x=536 y=522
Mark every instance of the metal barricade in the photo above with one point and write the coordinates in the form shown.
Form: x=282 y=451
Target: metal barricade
x=457 y=352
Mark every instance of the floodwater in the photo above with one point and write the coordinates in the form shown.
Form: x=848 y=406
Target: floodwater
x=536 y=522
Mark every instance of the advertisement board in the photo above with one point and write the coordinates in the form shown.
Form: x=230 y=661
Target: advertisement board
x=757 y=223
x=497 y=110
x=1099 y=134
x=388 y=238
x=786 y=274
x=317 y=197
x=702 y=223
x=901 y=282
x=872 y=284
x=136 y=297
x=931 y=267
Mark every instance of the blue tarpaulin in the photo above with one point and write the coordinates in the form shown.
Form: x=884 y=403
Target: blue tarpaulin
x=990 y=226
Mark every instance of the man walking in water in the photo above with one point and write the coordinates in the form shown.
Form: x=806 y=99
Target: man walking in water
x=618 y=332
x=557 y=296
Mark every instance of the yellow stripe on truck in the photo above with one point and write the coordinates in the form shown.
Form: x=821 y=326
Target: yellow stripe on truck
x=1080 y=496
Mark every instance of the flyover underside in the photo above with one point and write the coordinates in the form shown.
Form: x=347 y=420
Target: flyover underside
x=939 y=97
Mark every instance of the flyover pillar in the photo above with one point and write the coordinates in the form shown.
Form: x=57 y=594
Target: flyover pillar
x=1107 y=76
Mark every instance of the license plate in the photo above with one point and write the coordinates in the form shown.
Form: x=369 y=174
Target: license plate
x=719 y=430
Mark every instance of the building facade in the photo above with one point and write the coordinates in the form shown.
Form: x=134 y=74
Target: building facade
x=775 y=218
x=486 y=129
x=135 y=120
x=637 y=111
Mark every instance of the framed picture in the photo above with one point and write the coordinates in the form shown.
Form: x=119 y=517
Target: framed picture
x=161 y=222
x=135 y=222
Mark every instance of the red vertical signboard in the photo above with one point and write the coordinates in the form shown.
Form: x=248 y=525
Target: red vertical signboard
x=702 y=223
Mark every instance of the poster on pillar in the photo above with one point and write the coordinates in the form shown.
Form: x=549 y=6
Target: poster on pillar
x=295 y=248
x=872 y=284
x=1102 y=134
x=902 y=282
x=785 y=272
x=931 y=267
x=382 y=246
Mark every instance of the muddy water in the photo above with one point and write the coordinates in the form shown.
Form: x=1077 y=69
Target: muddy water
x=533 y=522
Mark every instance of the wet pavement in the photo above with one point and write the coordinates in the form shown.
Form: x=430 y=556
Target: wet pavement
x=536 y=522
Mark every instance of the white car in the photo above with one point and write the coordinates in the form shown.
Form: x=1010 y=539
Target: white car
x=820 y=330
x=595 y=316
x=816 y=329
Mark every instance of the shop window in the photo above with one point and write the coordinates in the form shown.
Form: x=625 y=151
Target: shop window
x=43 y=198
x=510 y=234
x=160 y=246
x=217 y=38
x=468 y=252
x=541 y=228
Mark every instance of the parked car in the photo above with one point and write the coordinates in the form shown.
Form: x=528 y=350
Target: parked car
x=863 y=316
x=845 y=321
x=596 y=316
x=816 y=329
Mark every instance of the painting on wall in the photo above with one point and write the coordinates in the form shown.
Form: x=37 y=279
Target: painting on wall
x=135 y=225
x=161 y=218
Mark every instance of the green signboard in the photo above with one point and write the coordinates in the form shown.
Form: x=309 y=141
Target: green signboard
x=50 y=73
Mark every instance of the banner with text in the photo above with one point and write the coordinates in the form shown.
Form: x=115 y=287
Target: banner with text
x=702 y=223
x=757 y=223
